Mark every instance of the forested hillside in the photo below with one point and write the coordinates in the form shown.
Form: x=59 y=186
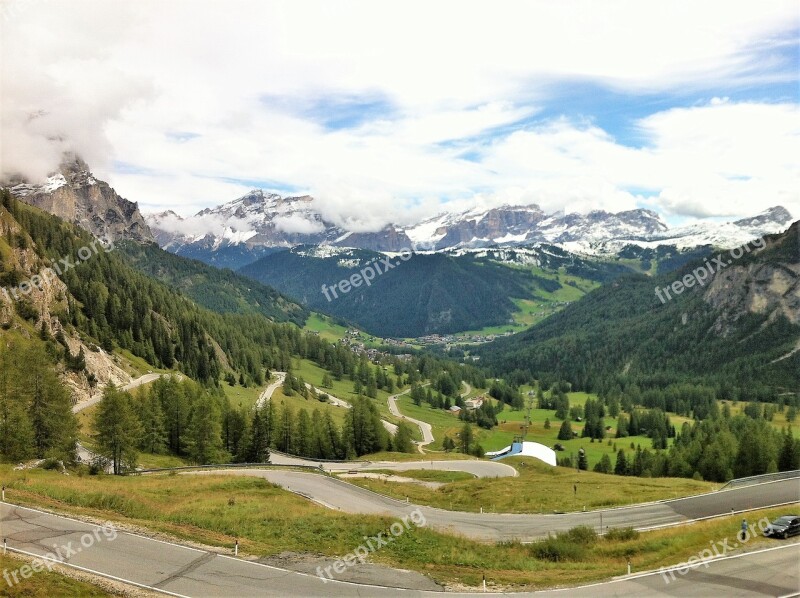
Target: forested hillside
x=425 y=295
x=114 y=305
x=738 y=333
x=219 y=290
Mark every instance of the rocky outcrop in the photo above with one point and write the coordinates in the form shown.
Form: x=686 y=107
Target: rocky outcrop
x=769 y=288
x=75 y=195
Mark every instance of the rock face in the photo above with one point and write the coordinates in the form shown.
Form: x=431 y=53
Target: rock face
x=767 y=287
x=49 y=298
x=75 y=195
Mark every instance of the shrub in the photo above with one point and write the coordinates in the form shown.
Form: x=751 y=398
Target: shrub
x=52 y=464
x=557 y=549
x=26 y=310
x=583 y=534
x=621 y=533
x=570 y=545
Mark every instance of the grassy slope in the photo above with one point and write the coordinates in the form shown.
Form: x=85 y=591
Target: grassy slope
x=541 y=304
x=343 y=389
x=510 y=425
x=269 y=520
x=44 y=584
x=325 y=327
x=540 y=488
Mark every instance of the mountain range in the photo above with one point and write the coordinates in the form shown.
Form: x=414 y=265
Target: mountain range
x=243 y=230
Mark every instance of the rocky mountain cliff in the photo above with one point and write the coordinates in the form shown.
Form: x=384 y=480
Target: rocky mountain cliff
x=75 y=195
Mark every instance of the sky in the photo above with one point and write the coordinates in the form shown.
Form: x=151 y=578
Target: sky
x=396 y=111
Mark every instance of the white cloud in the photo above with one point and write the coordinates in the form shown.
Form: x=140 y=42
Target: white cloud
x=296 y=223
x=117 y=80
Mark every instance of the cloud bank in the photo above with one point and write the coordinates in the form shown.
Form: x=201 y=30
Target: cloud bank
x=393 y=112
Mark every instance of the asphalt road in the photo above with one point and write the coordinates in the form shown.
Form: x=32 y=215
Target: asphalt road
x=130 y=386
x=480 y=469
x=267 y=394
x=185 y=571
x=424 y=427
x=337 y=494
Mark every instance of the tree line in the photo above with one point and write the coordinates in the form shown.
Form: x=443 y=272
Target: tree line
x=185 y=419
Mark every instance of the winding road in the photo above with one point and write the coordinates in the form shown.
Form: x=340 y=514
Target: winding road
x=337 y=494
x=335 y=401
x=146 y=379
x=424 y=427
x=185 y=571
x=480 y=469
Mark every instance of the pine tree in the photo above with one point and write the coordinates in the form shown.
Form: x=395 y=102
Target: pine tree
x=603 y=465
x=50 y=408
x=621 y=467
x=789 y=456
x=565 y=432
x=151 y=418
x=204 y=431
x=402 y=439
x=582 y=462
x=118 y=429
x=304 y=438
x=466 y=438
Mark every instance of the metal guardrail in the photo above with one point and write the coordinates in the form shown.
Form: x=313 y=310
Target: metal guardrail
x=759 y=479
x=274 y=452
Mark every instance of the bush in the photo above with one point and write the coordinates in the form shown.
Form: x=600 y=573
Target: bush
x=26 y=310
x=557 y=549
x=621 y=533
x=583 y=534
x=52 y=464
x=570 y=545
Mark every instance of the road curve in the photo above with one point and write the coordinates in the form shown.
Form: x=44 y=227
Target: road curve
x=271 y=388
x=147 y=378
x=478 y=468
x=340 y=495
x=424 y=427
x=184 y=571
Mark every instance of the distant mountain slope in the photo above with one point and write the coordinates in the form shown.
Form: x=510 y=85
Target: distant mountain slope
x=741 y=329
x=429 y=293
x=75 y=195
x=425 y=295
x=219 y=290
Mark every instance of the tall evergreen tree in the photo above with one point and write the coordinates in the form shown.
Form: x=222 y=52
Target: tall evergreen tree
x=402 y=439
x=117 y=429
x=621 y=466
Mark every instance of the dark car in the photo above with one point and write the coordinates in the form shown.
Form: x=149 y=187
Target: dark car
x=783 y=527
